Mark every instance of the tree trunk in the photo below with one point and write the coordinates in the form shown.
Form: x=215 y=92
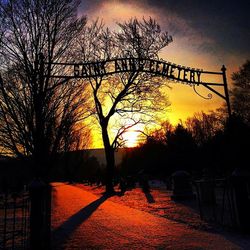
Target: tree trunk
x=110 y=161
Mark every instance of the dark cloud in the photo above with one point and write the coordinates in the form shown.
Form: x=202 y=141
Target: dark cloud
x=89 y=5
x=226 y=22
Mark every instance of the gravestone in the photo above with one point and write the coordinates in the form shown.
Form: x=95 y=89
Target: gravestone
x=182 y=187
x=207 y=188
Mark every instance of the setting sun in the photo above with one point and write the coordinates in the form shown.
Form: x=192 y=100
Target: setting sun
x=131 y=138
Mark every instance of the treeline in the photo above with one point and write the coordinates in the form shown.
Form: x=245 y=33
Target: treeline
x=72 y=166
x=205 y=142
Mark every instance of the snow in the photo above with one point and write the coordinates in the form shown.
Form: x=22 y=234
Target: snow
x=83 y=218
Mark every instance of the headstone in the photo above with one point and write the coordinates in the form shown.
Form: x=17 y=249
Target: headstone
x=182 y=187
x=207 y=191
x=207 y=188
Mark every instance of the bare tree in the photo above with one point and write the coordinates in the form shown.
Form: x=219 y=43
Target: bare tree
x=241 y=92
x=39 y=115
x=125 y=99
x=204 y=126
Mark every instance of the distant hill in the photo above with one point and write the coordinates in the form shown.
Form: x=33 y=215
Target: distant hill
x=100 y=154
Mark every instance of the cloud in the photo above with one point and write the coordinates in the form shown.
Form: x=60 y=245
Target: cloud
x=211 y=26
x=178 y=27
x=206 y=35
x=226 y=22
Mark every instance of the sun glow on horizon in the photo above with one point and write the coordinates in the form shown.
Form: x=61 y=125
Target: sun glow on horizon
x=188 y=49
x=131 y=138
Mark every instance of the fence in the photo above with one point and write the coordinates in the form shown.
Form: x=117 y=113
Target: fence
x=226 y=202
x=14 y=220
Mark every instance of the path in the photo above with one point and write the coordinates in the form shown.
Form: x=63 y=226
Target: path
x=82 y=220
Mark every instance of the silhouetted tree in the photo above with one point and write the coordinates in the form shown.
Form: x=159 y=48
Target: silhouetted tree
x=237 y=142
x=39 y=115
x=204 y=126
x=125 y=99
x=166 y=150
x=228 y=148
x=180 y=139
x=241 y=92
x=160 y=134
x=181 y=148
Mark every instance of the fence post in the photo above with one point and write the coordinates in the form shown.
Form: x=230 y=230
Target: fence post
x=240 y=184
x=223 y=69
x=40 y=198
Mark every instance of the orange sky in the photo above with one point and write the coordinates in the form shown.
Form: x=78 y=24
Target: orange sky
x=190 y=48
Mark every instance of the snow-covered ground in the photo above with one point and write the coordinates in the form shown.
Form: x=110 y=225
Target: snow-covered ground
x=85 y=219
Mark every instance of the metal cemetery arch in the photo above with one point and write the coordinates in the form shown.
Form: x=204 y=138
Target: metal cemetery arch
x=162 y=68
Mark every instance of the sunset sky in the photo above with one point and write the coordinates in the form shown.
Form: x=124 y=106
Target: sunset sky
x=206 y=35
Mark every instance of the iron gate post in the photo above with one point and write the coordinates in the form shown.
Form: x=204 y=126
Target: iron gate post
x=223 y=69
x=40 y=213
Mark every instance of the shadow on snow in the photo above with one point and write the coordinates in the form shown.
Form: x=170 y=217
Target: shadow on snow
x=63 y=232
x=149 y=197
